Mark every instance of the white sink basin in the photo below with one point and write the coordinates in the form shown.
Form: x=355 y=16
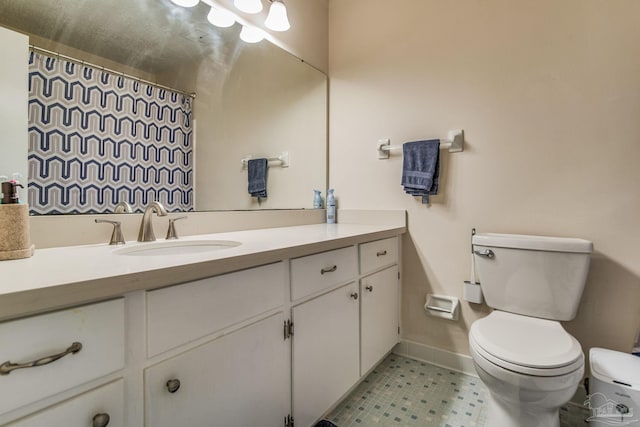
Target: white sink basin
x=176 y=247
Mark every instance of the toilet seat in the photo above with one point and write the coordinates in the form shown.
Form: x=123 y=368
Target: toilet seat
x=526 y=345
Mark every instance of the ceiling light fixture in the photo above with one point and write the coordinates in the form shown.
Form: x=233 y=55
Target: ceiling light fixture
x=248 y=6
x=277 y=19
x=186 y=3
x=220 y=17
x=251 y=34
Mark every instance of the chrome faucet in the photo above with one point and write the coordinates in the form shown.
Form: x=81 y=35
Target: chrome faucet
x=146 y=227
x=123 y=207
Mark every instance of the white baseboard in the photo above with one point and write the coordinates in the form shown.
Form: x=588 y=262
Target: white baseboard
x=436 y=356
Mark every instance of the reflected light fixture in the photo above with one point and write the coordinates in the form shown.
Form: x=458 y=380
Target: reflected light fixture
x=248 y=6
x=251 y=34
x=277 y=19
x=186 y=3
x=220 y=17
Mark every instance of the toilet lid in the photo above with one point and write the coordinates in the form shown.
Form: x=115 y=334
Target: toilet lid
x=526 y=342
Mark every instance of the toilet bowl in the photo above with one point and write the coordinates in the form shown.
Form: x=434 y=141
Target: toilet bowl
x=529 y=363
x=530 y=366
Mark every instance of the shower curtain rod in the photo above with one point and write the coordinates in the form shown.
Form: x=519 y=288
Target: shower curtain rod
x=101 y=68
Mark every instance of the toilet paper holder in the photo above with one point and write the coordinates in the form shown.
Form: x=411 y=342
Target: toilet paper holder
x=444 y=306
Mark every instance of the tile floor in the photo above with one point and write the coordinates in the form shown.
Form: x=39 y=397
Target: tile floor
x=405 y=392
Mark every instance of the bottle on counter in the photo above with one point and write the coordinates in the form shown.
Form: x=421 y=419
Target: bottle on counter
x=331 y=207
x=317 y=199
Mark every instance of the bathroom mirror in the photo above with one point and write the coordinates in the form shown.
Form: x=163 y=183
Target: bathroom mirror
x=251 y=100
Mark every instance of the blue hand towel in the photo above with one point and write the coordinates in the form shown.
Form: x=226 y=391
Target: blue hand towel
x=257 y=172
x=420 y=168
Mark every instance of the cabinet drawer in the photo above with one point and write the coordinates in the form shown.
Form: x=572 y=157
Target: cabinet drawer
x=378 y=254
x=314 y=273
x=98 y=327
x=183 y=313
x=101 y=404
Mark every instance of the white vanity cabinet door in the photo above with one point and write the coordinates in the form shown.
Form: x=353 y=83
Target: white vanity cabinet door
x=98 y=327
x=93 y=408
x=325 y=352
x=379 y=316
x=239 y=380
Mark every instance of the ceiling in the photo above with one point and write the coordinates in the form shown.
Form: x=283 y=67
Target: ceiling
x=150 y=35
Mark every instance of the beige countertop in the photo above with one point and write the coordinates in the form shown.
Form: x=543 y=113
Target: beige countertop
x=61 y=277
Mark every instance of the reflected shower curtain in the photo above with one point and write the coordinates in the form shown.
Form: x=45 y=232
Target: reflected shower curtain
x=97 y=138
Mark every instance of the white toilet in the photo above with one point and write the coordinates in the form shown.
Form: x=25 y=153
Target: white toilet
x=529 y=363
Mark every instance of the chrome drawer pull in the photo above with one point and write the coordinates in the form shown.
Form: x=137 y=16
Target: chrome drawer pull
x=381 y=253
x=101 y=420
x=7 y=367
x=487 y=253
x=329 y=269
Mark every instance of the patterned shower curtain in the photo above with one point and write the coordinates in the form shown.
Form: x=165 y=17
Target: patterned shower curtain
x=98 y=138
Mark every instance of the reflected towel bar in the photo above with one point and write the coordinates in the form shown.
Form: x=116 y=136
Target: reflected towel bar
x=454 y=143
x=283 y=158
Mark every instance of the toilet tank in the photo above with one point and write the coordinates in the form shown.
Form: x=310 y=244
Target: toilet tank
x=532 y=275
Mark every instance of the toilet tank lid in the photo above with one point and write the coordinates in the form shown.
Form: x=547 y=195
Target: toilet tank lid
x=536 y=243
x=615 y=367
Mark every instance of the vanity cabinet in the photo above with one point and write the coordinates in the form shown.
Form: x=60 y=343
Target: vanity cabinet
x=256 y=347
x=241 y=379
x=342 y=333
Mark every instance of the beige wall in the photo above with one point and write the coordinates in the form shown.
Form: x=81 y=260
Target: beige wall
x=548 y=93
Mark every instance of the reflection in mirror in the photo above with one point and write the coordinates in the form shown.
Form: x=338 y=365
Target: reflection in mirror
x=251 y=101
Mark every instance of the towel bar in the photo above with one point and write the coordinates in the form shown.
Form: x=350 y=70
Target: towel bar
x=283 y=158
x=454 y=143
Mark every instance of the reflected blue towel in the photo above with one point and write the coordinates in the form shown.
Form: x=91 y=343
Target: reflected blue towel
x=420 y=168
x=257 y=172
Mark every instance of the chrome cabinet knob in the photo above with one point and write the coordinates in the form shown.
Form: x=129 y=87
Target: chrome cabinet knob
x=369 y=288
x=101 y=420
x=173 y=385
x=354 y=295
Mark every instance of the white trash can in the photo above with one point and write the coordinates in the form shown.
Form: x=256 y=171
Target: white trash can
x=614 y=388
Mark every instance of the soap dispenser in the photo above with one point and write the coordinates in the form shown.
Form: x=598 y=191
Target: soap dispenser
x=331 y=207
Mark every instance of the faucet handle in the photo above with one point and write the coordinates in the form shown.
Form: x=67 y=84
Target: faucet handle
x=117 y=238
x=171 y=231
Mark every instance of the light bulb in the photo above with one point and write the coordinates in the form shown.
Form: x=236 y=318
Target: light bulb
x=186 y=3
x=251 y=34
x=277 y=19
x=220 y=17
x=248 y=6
